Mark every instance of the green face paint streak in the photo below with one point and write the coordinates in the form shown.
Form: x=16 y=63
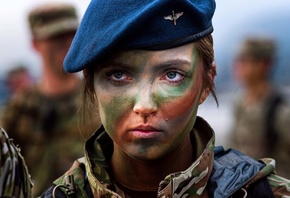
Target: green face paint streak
x=167 y=92
x=184 y=98
x=113 y=110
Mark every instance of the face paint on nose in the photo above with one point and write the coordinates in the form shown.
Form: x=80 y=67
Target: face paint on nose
x=145 y=103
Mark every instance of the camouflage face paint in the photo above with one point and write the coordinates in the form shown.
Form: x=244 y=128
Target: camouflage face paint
x=148 y=100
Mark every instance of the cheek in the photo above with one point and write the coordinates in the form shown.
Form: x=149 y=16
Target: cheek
x=183 y=109
x=112 y=108
x=182 y=101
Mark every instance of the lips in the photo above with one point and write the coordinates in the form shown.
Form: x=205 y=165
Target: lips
x=147 y=131
x=144 y=128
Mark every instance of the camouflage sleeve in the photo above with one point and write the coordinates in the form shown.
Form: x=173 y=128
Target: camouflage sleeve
x=14 y=178
x=280 y=185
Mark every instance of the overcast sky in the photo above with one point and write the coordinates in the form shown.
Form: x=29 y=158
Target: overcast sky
x=14 y=35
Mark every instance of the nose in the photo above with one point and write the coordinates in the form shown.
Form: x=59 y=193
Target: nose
x=145 y=105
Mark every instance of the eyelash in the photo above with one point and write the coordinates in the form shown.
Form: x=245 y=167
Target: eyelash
x=174 y=82
x=114 y=71
x=164 y=77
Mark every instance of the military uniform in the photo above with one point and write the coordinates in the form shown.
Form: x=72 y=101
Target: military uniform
x=250 y=135
x=46 y=129
x=215 y=173
x=14 y=177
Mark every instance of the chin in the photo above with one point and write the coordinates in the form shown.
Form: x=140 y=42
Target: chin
x=149 y=155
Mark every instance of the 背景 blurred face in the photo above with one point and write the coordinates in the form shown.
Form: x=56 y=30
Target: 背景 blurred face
x=148 y=100
x=53 y=50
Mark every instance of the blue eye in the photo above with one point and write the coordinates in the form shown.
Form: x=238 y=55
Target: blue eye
x=171 y=74
x=118 y=75
x=173 y=77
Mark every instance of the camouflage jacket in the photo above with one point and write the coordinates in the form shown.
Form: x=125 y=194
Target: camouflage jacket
x=14 y=178
x=215 y=173
x=46 y=129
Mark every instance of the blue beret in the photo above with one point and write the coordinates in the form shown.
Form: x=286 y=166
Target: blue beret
x=109 y=25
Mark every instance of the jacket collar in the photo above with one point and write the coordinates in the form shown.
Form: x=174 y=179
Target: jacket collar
x=190 y=182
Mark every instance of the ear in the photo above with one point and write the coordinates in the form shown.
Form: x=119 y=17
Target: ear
x=34 y=44
x=204 y=95
x=206 y=91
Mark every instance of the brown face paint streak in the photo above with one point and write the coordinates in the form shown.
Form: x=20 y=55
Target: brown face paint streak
x=170 y=96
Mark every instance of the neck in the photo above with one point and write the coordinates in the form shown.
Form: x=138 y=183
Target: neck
x=56 y=85
x=140 y=175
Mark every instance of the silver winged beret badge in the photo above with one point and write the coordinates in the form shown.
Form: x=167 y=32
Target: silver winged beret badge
x=173 y=17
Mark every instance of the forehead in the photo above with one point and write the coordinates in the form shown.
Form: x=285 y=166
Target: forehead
x=186 y=53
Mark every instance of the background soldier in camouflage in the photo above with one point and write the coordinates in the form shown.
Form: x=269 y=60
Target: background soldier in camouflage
x=42 y=119
x=18 y=79
x=15 y=180
x=148 y=65
x=262 y=115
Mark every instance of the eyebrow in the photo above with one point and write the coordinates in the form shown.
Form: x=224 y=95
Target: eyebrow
x=172 y=63
x=168 y=63
x=119 y=64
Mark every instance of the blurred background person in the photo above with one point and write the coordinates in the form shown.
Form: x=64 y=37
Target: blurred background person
x=18 y=79
x=42 y=119
x=261 y=125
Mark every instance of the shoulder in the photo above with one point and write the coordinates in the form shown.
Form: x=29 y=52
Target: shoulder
x=231 y=171
x=72 y=182
x=243 y=172
x=29 y=92
x=24 y=97
x=280 y=186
